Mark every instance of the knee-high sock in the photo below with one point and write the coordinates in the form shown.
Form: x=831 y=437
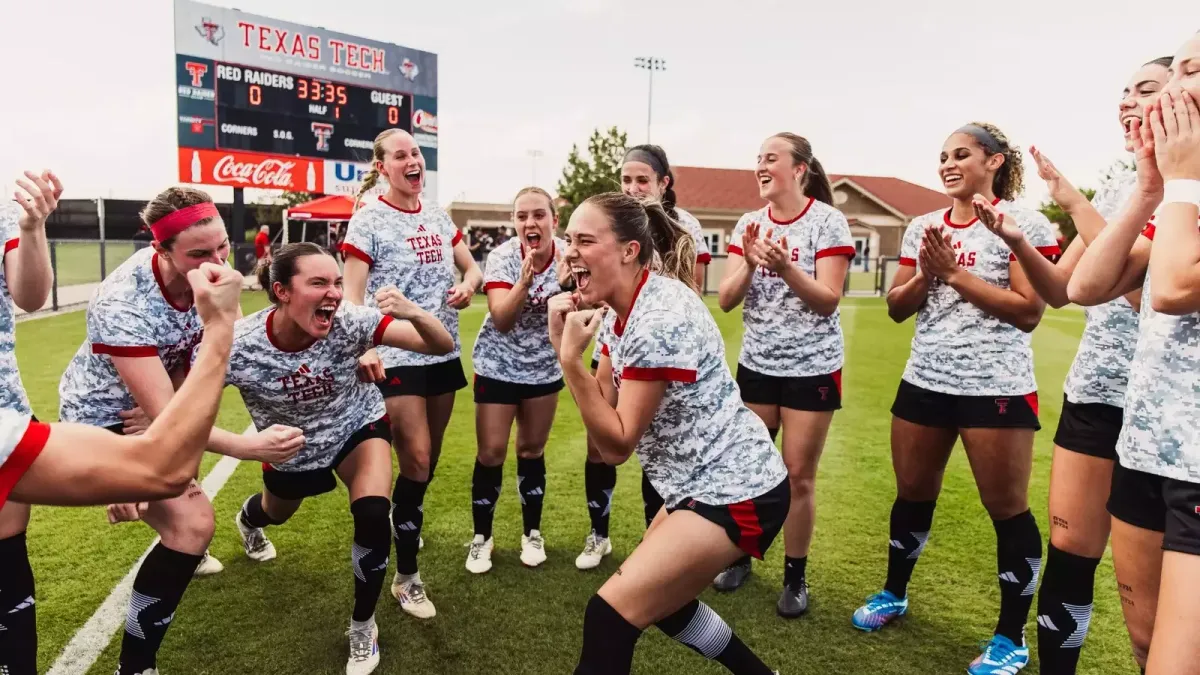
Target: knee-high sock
x=908 y=533
x=599 y=481
x=18 y=624
x=608 y=640
x=485 y=492
x=157 y=590
x=254 y=515
x=651 y=500
x=698 y=627
x=531 y=485
x=408 y=514
x=369 y=554
x=1018 y=560
x=1064 y=610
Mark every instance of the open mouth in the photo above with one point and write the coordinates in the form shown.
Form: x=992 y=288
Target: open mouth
x=952 y=180
x=1127 y=123
x=532 y=239
x=413 y=177
x=323 y=316
x=582 y=277
x=763 y=180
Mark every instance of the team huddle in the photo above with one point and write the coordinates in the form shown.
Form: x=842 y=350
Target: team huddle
x=346 y=366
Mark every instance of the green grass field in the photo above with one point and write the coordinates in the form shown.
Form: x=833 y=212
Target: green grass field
x=288 y=616
x=78 y=262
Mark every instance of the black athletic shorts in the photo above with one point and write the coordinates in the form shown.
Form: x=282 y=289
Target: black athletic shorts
x=817 y=393
x=1089 y=429
x=949 y=411
x=301 y=484
x=488 y=390
x=753 y=524
x=432 y=380
x=1152 y=502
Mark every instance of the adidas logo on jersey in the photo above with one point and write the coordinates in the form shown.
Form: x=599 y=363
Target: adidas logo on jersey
x=304 y=369
x=395 y=381
x=420 y=228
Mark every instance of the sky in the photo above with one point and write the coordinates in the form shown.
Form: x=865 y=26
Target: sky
x=875 y=86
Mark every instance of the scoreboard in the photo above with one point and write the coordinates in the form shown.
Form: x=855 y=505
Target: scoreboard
x=261 y=102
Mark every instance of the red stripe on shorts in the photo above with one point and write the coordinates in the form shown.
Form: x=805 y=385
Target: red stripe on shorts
x=746 y=517
x=1032 y=400
x=837 y=379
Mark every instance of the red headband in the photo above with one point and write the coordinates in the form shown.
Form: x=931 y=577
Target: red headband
x=172 y=224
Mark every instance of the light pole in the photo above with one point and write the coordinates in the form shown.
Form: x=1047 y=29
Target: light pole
x=533 y=158
x=650 y=64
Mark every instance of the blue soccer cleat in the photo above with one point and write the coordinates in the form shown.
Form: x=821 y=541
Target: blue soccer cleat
x=1000 y=657
x=880 y=609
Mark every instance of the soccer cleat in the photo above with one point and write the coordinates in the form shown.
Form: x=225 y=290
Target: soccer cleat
x=533 y=549
x=594 y=550
x=1000 y=657
x=208 y=566
x=479 y=555
x=420 y=543
x=878 y=611
x=254 y=540
x=732 y=577
x=793 y=602
x=148 y=671
x=409 y=591
x=364 y=650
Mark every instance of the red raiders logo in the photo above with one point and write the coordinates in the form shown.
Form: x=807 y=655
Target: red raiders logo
x=322 y=131
x=211 y=32
x=1002 y=406
x=197 y=71
x=824 y=391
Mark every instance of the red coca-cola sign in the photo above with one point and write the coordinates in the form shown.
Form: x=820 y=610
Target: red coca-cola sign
x=248 y=169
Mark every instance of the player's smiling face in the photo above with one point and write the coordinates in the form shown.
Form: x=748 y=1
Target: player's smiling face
x=207 y=243
x=402 y=163
x=965 y=168
x=1140 y=92
x=775 y=170
x=534 y=220
x=639 y=180
x=594 y=254
x=313 y=295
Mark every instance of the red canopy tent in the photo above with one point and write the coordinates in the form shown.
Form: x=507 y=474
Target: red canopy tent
x=330 y=207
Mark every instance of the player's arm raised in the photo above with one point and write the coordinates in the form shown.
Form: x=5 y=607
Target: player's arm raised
x=27 y=267
x=417 y=330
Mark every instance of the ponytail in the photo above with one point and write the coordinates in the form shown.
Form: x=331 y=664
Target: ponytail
x=668 y=199
x=369 y=181
x=674 y=246
x=816 y=184
x=262 y=271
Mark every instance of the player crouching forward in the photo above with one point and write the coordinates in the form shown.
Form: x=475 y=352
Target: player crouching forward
x=298 y=361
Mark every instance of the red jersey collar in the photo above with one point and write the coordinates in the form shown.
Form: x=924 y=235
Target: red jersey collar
x=619 y=326
x=549 y=261
x=951 y=223
x=803 y=211
x=402 y=210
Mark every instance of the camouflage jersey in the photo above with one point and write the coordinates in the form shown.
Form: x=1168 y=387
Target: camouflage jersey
x=12 y=392
x=21 y=440
x=129 y=316
x=524 y=354
x=958 y=348
x=413 y=251
x=1101 y=367
x=689 y=223
x=315 y=389
x=703 y=442
x=1160 y=432
x=784 y=337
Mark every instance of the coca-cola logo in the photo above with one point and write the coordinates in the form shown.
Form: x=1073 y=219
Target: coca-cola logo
x=273 y=173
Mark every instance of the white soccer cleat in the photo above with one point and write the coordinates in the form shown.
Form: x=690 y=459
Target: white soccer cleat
x=533 y=549
x=479 y=555
x=594 y=551
x=410 y=593
x=364 y=650
x=420 y=543
x=254 y=540
x=208 y=566
x=148 y=671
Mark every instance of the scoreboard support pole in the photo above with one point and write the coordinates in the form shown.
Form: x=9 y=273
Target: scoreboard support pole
x=238 y=236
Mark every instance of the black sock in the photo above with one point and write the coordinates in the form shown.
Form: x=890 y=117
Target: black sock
x=651 y=500
x=485 y=492
x=608 y=640
x=698 y=627
x=908 y=532
x=774 y=433
x=369 y=555
x=253 y=514
x=531 y=485
x=599 y=481
x=18 y=621
x=157 y=590
x=1018 y=559
x=1064 y=610
x=793 y=571
x=408 y=514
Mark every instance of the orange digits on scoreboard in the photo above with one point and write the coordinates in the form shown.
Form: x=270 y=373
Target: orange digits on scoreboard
x=303 y=93
x=255 y=95
x=393 y=115
x=341 y=94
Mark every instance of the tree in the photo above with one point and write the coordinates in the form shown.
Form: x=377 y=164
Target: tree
x=1058 y=216
x=598 y=172
x=269 y=210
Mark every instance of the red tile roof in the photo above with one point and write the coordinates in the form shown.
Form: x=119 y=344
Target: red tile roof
x=736 y=189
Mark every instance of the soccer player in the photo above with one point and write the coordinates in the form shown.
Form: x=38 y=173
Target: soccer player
x=296 y=363
x=788 y=262
x=517 y=376
x=646 y=174
x=396 y=240
x=672 y=399
x=1085 y=444
x=970 y=376
x=142 y=326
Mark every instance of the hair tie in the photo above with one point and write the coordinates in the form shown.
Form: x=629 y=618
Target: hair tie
x=982 y=136
x=173 y=223
x=639 y=155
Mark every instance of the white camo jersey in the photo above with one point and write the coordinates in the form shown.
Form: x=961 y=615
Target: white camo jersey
x=1160 y=432
x=784 y=337
x=315 y=389
x=689 y=223
x=413 y=251
x=21 y=440
x=958 y=348
x=12 y=392
x=703 y=442
x=523 y=355
x=1101 y=367
x=129 y=315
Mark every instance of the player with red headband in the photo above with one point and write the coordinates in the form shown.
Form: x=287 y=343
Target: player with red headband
x=142 y=326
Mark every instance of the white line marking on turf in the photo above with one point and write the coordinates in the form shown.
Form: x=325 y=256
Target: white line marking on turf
x=92 y=639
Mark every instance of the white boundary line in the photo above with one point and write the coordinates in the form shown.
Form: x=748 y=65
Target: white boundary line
x=81 y=653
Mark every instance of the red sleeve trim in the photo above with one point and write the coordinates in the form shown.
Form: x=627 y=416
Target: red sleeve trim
x=1148 y=231
x=908 y=262
x=847 y=251
x=131 y=352
x=703 y=258
x=377 y=338
x=659 y=374
x=604 y=350
x=496 y=285
x=349 y=249
x=457 y=238
x=1049 y=251
x=28 y=448
x=10 y=245
x=735 y=249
